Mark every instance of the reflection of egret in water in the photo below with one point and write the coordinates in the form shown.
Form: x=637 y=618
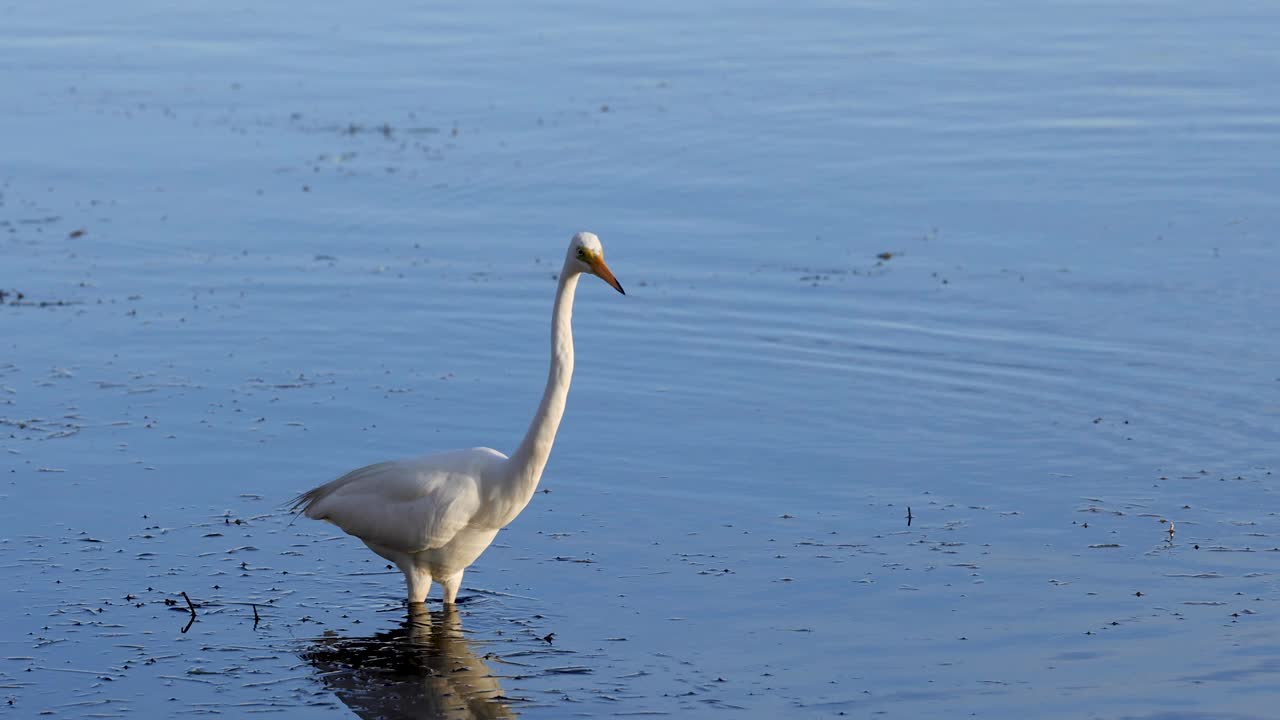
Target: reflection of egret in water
x=423 y=669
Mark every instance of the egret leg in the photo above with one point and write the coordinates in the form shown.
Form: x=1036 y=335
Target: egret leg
x=418 y=582
x=451 y=585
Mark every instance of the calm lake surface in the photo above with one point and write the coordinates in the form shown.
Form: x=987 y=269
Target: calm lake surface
x=1009 y=265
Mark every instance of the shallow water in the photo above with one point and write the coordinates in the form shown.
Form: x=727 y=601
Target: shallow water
x=259 y=246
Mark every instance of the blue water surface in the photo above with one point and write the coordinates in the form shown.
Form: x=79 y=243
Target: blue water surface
x=940 y=318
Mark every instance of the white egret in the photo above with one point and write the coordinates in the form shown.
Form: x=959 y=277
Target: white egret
x=433 y=516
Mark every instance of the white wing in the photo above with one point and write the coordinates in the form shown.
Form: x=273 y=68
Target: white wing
x=405 y=505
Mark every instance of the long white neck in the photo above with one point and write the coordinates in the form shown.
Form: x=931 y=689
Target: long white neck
x=527 y=462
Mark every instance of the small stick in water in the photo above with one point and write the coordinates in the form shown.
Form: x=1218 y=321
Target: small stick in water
x=191 y=607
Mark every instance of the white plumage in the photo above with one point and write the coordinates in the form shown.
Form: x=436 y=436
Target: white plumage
x=433 y=516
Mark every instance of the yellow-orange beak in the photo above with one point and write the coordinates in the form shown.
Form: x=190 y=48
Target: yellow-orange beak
x=604 y=273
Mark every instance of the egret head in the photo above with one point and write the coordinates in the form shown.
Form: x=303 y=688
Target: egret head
x=586 y=255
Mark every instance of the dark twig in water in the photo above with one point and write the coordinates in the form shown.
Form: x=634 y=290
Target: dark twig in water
x=192 y=607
